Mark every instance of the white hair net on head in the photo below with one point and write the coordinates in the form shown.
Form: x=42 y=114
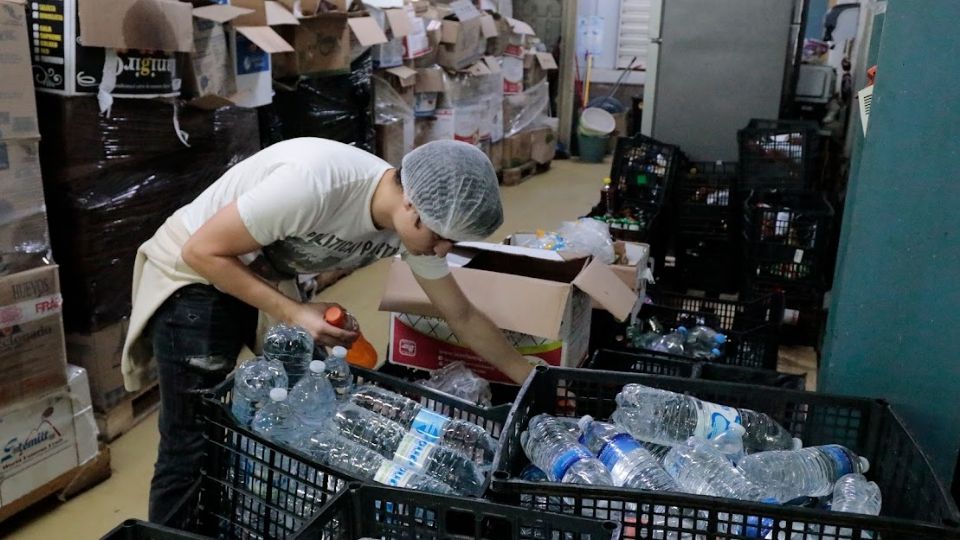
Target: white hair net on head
x=454 y=188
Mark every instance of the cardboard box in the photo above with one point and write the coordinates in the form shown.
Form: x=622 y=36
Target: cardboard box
x=321 y=43
x=540 y=300
x=427 y=91
x=496 y=155
x=209 y=78
x=517 y=150
x=396 y=25
x=64 y=63
x=18 y=108
x=535 y=67
x=543 y=144
x=84 y=422
x=391 y=144
x=24 y=238
x=39 y=443
x=32 y=354
x=460 y=33
x=403 y=80
x=99 y=353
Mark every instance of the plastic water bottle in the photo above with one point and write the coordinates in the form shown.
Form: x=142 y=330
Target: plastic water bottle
x=809 y=472
x=706 y=336
x=252 y=383
x=551 y=447
x=313 y=397
x=730 y=443
x=463 y=436
x=407 y=447
x=338 y=372
x=700 y=469
x=363 y=463
x=629 y=463
x=668 y=418
x=672 y=343
x=292 y=346
x=277 y=420
x=855 y=494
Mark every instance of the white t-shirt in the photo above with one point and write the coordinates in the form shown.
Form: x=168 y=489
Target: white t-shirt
x=307 y=202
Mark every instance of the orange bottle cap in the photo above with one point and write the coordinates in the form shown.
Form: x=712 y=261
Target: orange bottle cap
x=335 y=316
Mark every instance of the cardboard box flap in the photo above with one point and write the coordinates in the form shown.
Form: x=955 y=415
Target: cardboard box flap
x=434 y=25
x=546 y=60
x=429 y=80
x=543 y=254
x=265 y=38
x=220 y=13
x=302 y=8
x=493 y=63
x=603 y=285
x=162 y=25
x=520 y=27
x=477 y=69
x=526 y=305
x=278 y=15
x=407 y=76
x=384 y=4
x=367 y=31
x=399 y=22
x=464 y=10
x=488 y=26
x=257 y=15
x=209 y=102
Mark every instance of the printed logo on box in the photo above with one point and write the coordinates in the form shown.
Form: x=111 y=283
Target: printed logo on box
x=408 y=347
x=44 y=437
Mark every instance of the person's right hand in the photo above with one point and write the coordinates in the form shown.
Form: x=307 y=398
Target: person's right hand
x=309 y=316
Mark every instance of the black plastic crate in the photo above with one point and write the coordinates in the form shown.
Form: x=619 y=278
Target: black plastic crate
x=252 y=487
x=778 y=154
x=643 y=169
x=916 y=505
x=658 y=363
x=707 y=263
x=804 y=314
x=787 y=237
x=380 y=512
x=134 y=529
x=706 y=200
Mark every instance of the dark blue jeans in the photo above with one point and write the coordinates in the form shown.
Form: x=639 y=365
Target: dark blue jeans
x=197 y=334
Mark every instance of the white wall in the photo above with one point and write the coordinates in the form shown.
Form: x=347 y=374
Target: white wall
x=603 y=63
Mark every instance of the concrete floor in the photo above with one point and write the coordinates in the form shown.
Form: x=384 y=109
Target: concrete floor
x=568 y=190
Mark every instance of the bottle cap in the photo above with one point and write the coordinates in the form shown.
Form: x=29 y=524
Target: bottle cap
x=336 y=316
x=318 y=366
x=584 y=421
x=278 y=394
x=607 y=181
x=721 y=339
x=715 y=352
x=339 y=352
x=864 y=464
x=797 y=443
x=682 y=329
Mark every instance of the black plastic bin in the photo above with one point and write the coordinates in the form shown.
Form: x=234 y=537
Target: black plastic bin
x=643 y=169
x=251 y=487
x=803 y=316
x=134 y=529
x=658 y=363
x=752 y=326
x=778 y=154
x=916 y=505
x=367 y=511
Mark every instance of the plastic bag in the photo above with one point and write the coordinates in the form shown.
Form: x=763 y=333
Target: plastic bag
x=588 y=236
x=457 y=380
x=394 y=120
x=529 y=109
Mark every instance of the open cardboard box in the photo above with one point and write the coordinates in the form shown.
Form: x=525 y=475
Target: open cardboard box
x=540 y=300
x=321 y=43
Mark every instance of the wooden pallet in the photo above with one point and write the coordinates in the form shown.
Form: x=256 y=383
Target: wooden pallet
x=64 y=486
x=517 y=175
x=128 y=413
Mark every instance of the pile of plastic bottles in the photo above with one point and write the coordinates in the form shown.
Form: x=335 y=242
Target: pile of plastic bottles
x=699 y=341
x=457 y=380
x=368 y=432
x=659 y=440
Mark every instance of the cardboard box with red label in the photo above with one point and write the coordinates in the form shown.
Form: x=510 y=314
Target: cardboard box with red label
x=540 y=300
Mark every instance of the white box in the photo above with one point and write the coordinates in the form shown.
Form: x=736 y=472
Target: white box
x=39 y=444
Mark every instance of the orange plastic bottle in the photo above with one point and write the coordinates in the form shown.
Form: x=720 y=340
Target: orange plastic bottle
x=362 y=352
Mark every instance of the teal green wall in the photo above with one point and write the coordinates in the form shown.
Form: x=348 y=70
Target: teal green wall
x=894 y=325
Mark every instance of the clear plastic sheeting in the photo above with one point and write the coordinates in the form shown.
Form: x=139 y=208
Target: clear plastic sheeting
x=394 y=118
x=475 y=103
x=111 y=182
x=527 y=110
x=337 y=107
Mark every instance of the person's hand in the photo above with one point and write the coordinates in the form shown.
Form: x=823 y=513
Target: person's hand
x=309 y=316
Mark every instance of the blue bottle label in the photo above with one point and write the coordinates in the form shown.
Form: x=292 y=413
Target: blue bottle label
x=840 y=458
x=566 y=460
x=429 y=424
x=620 y=445
x=414 y=451
x=715 y=419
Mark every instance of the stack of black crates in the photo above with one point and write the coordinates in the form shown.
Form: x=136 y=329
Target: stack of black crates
x=786 y=223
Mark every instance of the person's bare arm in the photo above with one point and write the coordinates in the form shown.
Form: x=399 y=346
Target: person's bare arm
x=213 y=253
x=475 y=329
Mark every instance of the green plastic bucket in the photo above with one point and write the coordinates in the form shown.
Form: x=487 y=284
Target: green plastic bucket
x=592 y=148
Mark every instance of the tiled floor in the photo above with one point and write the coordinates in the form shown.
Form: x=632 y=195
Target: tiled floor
x=568 y=190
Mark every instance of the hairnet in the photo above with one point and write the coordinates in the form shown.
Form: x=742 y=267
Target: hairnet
x=454 y=188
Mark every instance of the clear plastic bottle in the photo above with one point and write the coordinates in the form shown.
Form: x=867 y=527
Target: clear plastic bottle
x=459 y=381
x=366 y=464
x=668 y=418
x=629 y=463
x=313 y=397
x=672 y=343
x=730 y=443
x=407 y=447
x=463 y=436
x=555 y=450
x=706 y=336
x=338 y=372
x=700 y=469
x=252 y=383
x=855 y=494
x=809 y=472
x=277 y=420
x=292 y=346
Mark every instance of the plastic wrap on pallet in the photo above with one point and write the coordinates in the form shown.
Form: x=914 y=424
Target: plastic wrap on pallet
x=112 y=181
x=338 y=107
x=473 y=105
x=394 y=119
x=526 y=110
x=24 y=242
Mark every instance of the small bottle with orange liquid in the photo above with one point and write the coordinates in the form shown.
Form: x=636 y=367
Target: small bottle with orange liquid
x=362 y=353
